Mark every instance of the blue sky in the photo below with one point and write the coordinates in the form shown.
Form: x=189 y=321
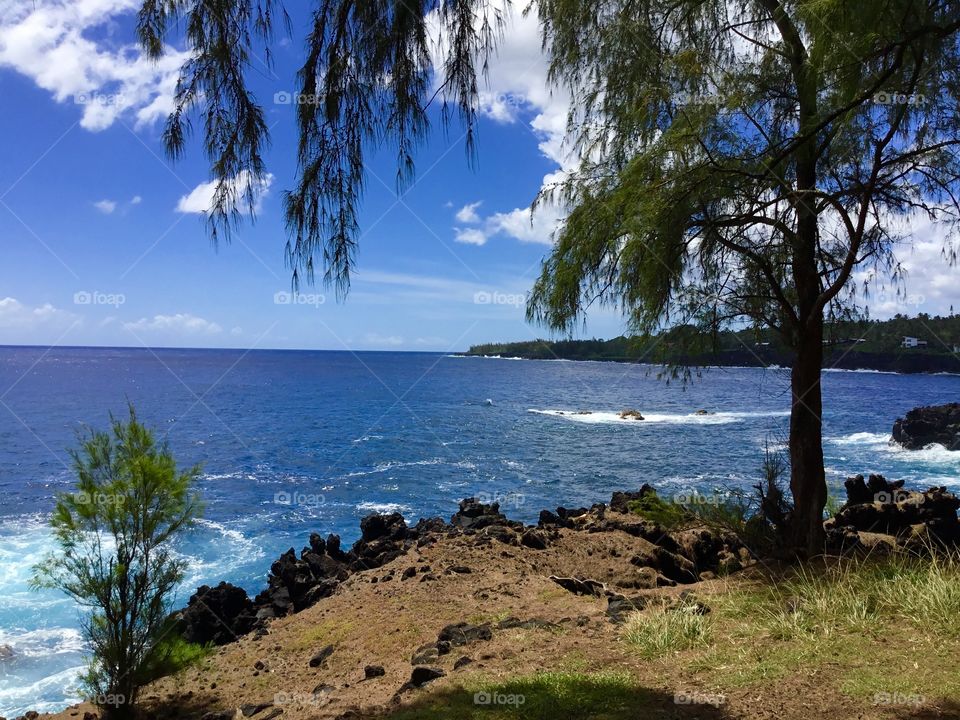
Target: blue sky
x=103 y=243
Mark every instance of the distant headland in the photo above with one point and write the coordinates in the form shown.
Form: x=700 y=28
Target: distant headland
x=921 y=344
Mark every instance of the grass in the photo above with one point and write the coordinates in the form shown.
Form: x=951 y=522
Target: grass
x=541 y=696
x=661 y=631
x=322 y=633
x=865 y=627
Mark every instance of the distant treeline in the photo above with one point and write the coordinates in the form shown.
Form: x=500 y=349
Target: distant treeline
x=862 y=344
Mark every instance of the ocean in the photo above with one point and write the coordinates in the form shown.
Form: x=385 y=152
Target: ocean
x=298 y=442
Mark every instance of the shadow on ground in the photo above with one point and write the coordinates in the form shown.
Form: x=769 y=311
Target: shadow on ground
x=181 y=707
x=553 y=696
x=936 y=710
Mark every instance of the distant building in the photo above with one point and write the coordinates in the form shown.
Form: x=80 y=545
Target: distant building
x=912 y=342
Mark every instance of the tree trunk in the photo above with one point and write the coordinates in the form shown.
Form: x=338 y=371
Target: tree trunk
x=807 y=478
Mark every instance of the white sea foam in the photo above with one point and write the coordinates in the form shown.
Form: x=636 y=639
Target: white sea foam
x=602 y=417
x=42 y=642
x=234 y=535
x=877 y=440
x=383 y=508
x=24 y=697
x=868 y=371
x=934 y=454
x=395 y=464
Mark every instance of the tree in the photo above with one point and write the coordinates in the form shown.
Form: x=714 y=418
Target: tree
x=740 y=162
x=114 y=534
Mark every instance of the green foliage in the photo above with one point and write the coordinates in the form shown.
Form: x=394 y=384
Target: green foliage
x=668 y=514
x=660 y=631
x=115 y=558
x=734 y=512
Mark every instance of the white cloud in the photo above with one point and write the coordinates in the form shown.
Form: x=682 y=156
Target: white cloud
x=517 y=89
x=136 y=200
x=16 y=315
x=179 y=324
x=199 y=200
x=468 y=213
x=470 y=236
x=50 y=42
x=929 y=284
x=519 y=224
x=105 y=206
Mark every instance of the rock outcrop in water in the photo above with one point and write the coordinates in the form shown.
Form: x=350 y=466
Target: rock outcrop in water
x=932 y=424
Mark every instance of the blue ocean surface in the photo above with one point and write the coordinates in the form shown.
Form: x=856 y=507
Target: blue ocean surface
x=297 y=442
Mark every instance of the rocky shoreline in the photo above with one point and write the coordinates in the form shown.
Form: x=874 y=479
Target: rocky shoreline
x=875 y=507
x=354 y=632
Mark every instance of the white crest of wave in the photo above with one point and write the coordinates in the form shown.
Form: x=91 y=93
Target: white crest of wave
x=383 y=508
x=604 y=417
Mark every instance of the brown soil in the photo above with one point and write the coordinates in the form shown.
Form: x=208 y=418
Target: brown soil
x=383 y=623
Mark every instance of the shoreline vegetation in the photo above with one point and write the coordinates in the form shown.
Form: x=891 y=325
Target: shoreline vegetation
x=863 y=345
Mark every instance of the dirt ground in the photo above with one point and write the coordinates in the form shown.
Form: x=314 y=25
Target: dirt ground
x=383 y=623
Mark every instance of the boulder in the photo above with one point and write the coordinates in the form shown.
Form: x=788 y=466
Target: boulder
x=630 y=415
x=534 y=539
x=932 y=424
x=619 y=607
x=421 y=675
x=620 y=501
x=580 y=586
x=475 y=515
x=882 y=507
x=670 y=565
x=875 y=489
x=464 y=634
x=373 y=671
x=217 y=615
x=320 y=658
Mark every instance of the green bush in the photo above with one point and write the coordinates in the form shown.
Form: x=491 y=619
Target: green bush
x=114 y=534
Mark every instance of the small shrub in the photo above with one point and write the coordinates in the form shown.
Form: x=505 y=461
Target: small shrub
x=115 y=559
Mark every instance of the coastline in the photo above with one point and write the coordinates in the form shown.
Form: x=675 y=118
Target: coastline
x=900 y=364
x=441 y=613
